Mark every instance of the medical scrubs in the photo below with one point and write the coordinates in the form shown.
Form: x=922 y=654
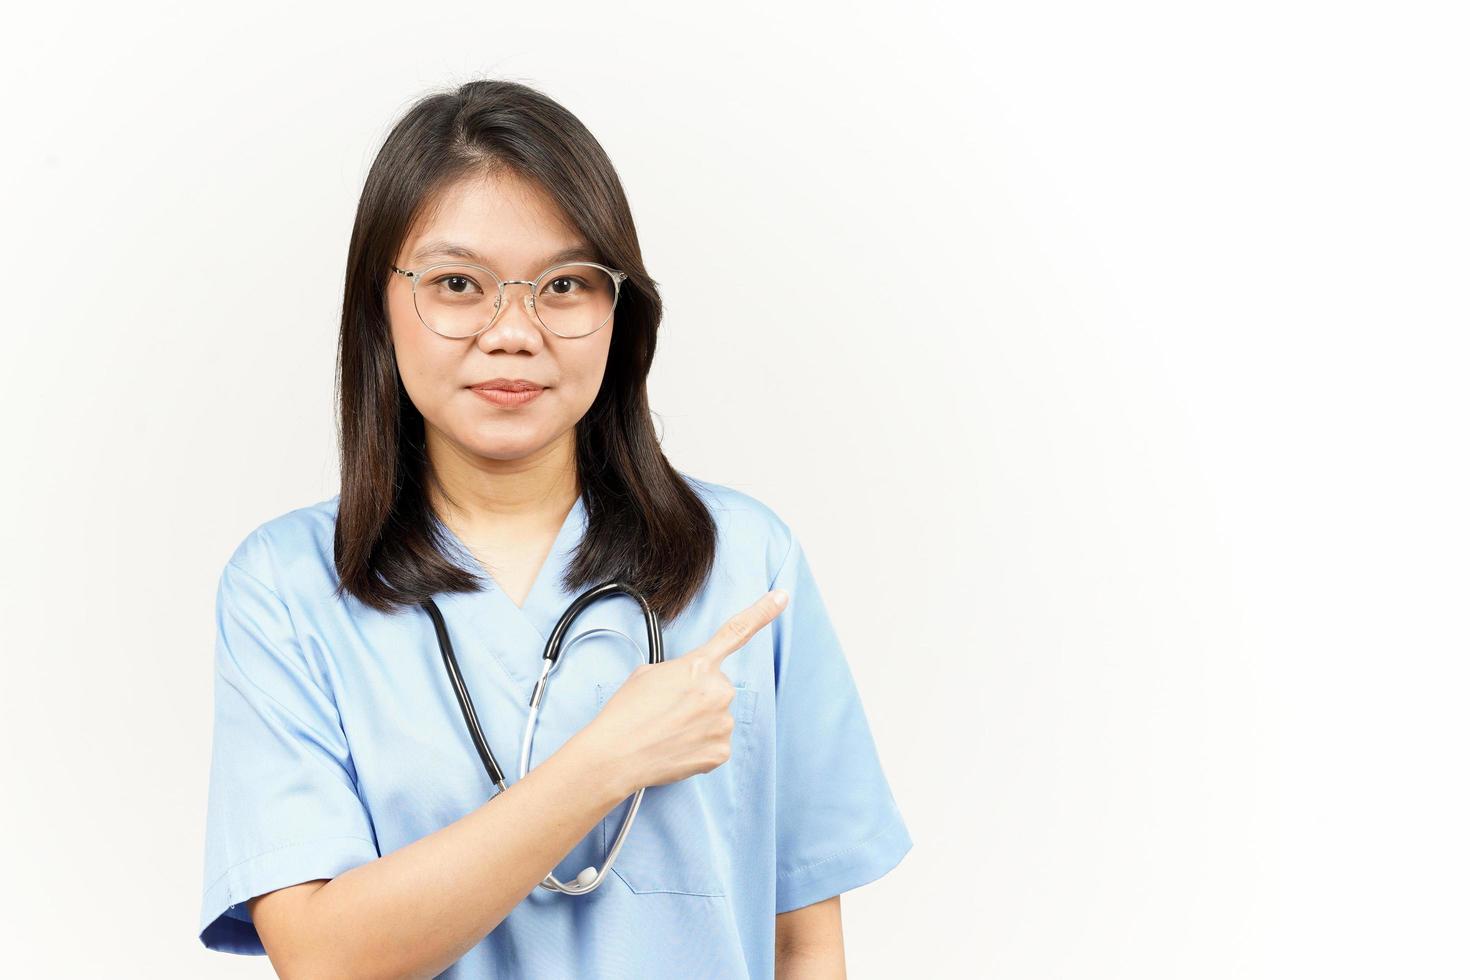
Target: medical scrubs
x=337 y=739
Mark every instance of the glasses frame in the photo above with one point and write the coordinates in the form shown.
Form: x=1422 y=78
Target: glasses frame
x=415 y=276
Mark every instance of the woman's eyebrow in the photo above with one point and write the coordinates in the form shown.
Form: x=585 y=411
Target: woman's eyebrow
x=581 y=250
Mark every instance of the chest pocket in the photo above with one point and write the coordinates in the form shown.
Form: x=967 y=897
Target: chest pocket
x=687 y=831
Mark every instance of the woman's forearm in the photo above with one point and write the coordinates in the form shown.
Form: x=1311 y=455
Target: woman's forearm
x=809 y=942
x=815 y=963
x=413 y=912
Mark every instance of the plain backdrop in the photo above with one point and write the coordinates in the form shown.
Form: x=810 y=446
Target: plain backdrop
x=1109 y=360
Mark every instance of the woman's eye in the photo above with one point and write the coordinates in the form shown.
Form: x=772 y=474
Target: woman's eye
x=568 y=281
x=457 y=285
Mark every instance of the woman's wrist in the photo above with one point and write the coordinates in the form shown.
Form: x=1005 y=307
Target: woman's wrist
x=603 y=769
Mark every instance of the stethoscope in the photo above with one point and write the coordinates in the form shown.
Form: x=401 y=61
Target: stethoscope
x=589 y=878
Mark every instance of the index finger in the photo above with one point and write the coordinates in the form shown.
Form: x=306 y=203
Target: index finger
x=739 y=628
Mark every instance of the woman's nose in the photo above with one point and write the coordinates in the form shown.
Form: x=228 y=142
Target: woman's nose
x=511 y=327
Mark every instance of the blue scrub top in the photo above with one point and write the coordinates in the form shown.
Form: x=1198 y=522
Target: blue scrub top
x=337 y=739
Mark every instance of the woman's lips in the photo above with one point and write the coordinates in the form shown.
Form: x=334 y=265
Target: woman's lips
x=506 y=398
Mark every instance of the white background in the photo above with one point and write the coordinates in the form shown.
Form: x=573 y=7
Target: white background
x=1109 y=360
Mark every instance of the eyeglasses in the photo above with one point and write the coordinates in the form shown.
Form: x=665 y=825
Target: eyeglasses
x=574 y=299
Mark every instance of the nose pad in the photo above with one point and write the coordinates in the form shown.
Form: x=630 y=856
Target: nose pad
x=528 y=301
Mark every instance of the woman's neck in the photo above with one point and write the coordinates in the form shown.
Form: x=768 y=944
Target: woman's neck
x=486 y=497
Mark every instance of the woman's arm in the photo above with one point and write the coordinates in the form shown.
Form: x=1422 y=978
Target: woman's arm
x=809 y=942
x=413 y=912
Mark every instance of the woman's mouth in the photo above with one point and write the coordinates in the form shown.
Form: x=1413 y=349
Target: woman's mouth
x=508 y=397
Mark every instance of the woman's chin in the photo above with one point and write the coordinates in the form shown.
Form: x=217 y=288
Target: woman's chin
x=505 y=440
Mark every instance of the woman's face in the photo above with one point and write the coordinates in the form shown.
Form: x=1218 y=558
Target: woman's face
x=515 y=229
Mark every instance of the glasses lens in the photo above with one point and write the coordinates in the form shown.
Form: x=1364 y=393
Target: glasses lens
x=574 y=300
x=459 y=300
x=456 y=300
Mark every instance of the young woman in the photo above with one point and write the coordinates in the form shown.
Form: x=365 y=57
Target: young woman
x=498 y=459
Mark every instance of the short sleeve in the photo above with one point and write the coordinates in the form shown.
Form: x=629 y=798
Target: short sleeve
x=837 y=823
x=283 y=806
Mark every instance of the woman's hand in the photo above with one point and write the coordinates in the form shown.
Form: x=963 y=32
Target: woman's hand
x=671 y=720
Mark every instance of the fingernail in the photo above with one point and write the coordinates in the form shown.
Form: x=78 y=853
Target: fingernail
x=780 y=596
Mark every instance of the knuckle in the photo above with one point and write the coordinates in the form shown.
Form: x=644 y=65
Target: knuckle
x=738 y=627
x=718 y=690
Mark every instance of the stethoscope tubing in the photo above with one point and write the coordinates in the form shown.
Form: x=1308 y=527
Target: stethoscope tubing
x=584 y=882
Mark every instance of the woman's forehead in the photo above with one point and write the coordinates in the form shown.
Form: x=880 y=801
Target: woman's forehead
x=495 y=222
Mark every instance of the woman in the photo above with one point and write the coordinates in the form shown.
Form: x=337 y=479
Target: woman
x=498 y=458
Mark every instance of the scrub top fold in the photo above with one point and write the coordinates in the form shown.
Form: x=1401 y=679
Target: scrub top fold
x=837 y=823
x=282 y=806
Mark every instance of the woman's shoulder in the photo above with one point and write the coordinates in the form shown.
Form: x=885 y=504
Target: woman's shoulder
x=292 y=551
x=746 y=524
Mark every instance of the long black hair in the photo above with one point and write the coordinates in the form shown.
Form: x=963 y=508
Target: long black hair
x=646 y=523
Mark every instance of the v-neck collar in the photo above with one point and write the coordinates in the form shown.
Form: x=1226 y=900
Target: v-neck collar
x=488 y=623
x=547 y=598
